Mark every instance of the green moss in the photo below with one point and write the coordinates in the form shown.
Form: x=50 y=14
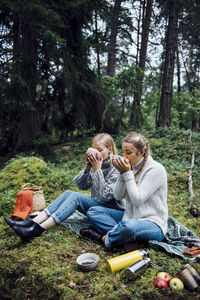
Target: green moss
x=24 y=170
x=157 y=142
x=178 y=180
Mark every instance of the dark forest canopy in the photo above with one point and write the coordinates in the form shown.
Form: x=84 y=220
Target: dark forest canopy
x=74 y=67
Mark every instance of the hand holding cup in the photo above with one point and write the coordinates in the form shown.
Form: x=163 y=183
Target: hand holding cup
x=93 y=158
x=121 y=163
x=93 y=151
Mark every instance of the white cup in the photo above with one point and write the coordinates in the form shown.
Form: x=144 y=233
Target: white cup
x=123 y=158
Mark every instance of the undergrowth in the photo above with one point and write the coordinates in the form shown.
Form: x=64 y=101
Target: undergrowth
x=45 y=268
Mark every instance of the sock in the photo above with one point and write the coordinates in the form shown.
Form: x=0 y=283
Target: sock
x=50 y=222
x=41 y=217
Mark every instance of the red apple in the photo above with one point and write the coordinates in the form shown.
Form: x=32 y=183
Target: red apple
x=160 y=283
x=176 y=284
x=165 y=276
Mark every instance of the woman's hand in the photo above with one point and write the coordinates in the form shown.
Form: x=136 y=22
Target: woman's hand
x=121 y=164
x=88 y=160
x=94 y=160
x=88 y=165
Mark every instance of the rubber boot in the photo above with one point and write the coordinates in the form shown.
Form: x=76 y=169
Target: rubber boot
x=26 y=222
x=28 y=233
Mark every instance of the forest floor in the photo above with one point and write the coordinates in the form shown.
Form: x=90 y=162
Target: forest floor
x=45 y=268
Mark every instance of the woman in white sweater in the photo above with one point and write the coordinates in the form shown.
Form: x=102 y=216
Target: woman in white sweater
x=142 y=184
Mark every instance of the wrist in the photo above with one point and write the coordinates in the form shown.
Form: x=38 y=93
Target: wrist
x=97 y=169
x=87 y=169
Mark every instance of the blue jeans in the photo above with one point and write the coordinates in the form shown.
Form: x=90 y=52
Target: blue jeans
x=118 y=232
x=67 y=203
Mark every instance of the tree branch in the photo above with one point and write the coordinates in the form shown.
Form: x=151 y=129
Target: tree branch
x=192 y=207
x=190 y=181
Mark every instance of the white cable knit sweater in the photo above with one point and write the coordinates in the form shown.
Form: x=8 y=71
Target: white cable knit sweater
x=146 y=200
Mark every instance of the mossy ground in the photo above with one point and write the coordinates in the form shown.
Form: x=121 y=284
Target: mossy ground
x=45 y=268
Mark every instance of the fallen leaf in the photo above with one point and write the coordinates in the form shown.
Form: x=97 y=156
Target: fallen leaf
x=72 y=284
x=81 y=277
x=123 y=286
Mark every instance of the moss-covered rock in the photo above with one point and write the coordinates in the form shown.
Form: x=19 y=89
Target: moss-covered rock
x=23 y=170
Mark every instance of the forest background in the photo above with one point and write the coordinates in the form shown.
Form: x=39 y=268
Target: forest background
x=70 y=69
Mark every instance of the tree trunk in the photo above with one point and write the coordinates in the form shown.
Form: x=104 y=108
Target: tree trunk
x=178 y=72
x=159 y=87
x=16 y=45
x=138 y=32
x=113 y=39
x=28 y=123
x=145 y=34
x=14 y=91
x=97 y=45
x=136 y=114
x=170 y=50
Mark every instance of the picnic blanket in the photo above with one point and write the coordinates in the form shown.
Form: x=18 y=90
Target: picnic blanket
x=177 y=238
x=76 y=222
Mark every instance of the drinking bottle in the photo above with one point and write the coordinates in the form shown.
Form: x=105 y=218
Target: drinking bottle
x=125 y=260
x=137 y=268
x=188 y=280
x=194 y=273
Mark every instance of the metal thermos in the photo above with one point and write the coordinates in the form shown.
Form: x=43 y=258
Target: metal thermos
x=188 y=280
x=194 y=273
x=137 y=268
x=125 y=260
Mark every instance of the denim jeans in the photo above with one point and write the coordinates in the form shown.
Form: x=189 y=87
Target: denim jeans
x=118 y=232
x=67 y=203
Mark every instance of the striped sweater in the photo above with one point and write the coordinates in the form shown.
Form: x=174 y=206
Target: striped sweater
x=101 y=183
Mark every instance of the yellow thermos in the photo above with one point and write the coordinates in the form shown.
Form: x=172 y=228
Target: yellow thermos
x=125 y=260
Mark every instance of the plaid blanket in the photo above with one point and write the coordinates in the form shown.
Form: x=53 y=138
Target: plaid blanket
x=76 y=222
x=177 y=238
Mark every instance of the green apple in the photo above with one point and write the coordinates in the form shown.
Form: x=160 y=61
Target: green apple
x=176 y=284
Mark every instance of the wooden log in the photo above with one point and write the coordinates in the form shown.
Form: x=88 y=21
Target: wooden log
x=190 y=181
x=192 y=207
